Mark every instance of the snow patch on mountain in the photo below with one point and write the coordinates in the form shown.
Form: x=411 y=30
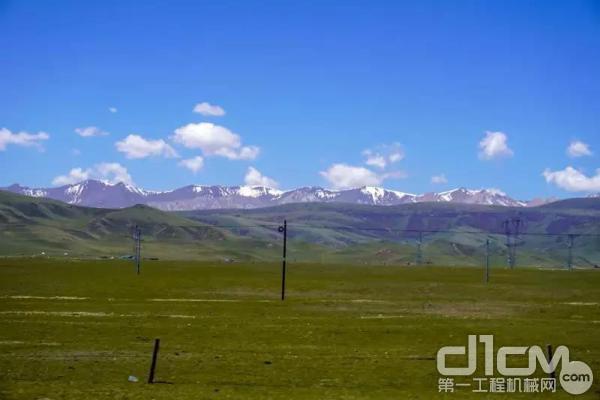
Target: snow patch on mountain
x=376 y=193
x=258 y=191
x=35 y=192
x=75 y=192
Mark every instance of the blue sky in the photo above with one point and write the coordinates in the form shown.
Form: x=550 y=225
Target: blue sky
x=475 y=94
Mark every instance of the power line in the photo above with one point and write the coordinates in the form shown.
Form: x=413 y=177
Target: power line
x=367 y=229
x=400 y=230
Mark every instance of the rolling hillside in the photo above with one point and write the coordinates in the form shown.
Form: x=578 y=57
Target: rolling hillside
x=451 y=234
x=390 y=234
x=34 y=225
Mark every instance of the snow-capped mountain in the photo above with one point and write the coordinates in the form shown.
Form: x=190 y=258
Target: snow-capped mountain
x=94 y=193
x=468 y=196
x=90 y=193
x=195 y=197
x=364 y=195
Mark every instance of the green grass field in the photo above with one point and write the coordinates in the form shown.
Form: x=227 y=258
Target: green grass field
x=77 y=330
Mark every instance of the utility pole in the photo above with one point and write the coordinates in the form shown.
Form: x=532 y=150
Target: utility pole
x=283 y=229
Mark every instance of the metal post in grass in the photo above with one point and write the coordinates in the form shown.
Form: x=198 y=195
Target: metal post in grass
x=549 y=349
x=283 y=229
x=154 y=357
x=487 y=260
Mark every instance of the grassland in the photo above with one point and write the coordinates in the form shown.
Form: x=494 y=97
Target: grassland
x=77 y=330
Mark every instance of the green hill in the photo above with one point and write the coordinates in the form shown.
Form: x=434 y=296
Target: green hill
x=389 y=234
x=451 y=234
x=31 y=226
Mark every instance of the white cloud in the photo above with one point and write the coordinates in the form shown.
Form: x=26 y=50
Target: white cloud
x=22 y=139
x=74 y=176
x=494 y=145
x=209 y=137
x=573 y=180
x=112 y=109
x=255 y=178
x=244 y=153
x=397 y=156
x=90 y=131
x=383 y=155
x=108 y=172
x=343 y=176
x=249 y=152
x=214 y=140
x=376 y=161
x=135 y=146
x=439 y=179
x=209 y=110
x=578 y=149
x=194 y=164
x=113 y=173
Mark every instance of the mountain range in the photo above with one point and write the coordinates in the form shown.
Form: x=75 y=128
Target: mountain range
x=94 y=193
x=449 y=233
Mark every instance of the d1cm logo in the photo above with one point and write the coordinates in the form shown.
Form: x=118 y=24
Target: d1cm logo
x=575 y=377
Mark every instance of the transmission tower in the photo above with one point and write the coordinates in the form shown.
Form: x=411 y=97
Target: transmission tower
x=516 y=222
x=570 y=255
x=137 y=247
x=419 y=255
x=506 y=226
x=512 y=228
